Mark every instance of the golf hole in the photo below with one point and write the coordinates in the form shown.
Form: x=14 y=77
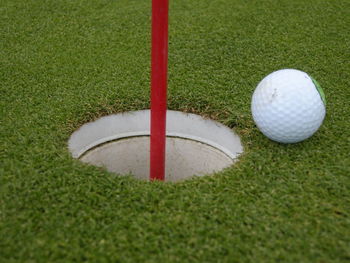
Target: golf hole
x=121 y=144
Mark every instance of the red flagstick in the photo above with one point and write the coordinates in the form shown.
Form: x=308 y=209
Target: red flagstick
x=159 y=88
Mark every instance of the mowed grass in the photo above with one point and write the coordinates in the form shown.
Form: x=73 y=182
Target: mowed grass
x=64 y=63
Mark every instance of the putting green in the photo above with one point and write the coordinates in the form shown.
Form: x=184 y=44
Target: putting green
x=65 y=63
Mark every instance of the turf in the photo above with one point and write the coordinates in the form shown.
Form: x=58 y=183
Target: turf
x=64 y=63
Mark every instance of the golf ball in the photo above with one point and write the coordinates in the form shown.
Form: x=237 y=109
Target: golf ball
x=288 y=106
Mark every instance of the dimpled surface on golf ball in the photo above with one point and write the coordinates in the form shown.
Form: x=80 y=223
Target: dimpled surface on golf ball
x=288 y=106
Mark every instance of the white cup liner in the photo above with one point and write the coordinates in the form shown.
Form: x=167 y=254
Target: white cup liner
x=195 y=146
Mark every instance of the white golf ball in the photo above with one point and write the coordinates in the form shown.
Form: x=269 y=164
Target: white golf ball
x=288 y=106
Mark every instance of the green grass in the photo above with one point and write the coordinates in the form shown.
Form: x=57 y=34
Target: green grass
x=63 y=63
